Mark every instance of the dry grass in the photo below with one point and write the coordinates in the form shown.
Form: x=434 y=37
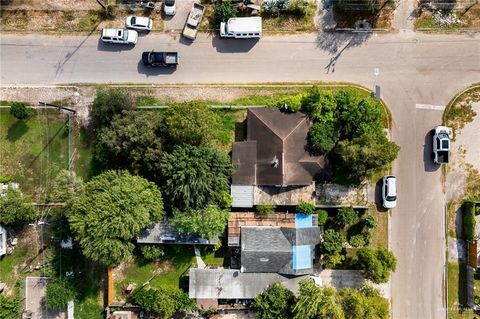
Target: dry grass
x=66 y=21
x=459 y=111
x=380 y=233
x=468 y=19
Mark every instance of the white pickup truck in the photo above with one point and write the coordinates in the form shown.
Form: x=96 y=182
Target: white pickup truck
x=193 y=21
x=441 y=144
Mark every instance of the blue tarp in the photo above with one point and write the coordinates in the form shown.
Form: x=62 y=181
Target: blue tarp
x=302 y=257
x=303 y=221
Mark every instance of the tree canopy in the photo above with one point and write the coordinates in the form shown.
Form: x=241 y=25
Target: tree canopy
x=163 y=301
x=305 y=208
x=346 y=216
x=275 y=302
x=364 y=155
x=365 y=302
x=115 y=207
x=194 y=177
x=323 y=137
x=132 y=141
x=9 y=307
x=19 y=111
x=317 y=302
x=332 y=241
x=108 y=103
x=208 y=222
x=376 y=265
x=191 y=123
x=15 y=208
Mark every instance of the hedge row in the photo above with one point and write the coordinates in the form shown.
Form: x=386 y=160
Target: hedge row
x=468 y=211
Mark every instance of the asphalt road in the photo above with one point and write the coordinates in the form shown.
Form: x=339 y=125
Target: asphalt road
x=412 y=69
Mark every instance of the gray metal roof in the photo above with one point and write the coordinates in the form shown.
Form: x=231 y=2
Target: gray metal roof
x=229 y=283
x=242 y=196
x=270 y=249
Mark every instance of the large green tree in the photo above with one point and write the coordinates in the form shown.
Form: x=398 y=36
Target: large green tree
x=320 y=105
x=316 y=302
x=15 y=208
x=376 y=265
x=66 y=187
x=191 y=123
x=115 y=207
x=208 y=222
x=323 y=137
x=276 y=302
x=108 y=103
x=132 y=141
x=365 y=302
x=163 y=301
x=193 y=177
x=364 y=155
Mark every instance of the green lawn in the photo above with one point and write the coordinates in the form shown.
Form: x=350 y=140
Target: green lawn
x=164 y=273
x=33 y=151
x=457 y=295
x=8 y=273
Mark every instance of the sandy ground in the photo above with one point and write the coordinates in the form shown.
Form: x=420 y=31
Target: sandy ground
x=52 y=4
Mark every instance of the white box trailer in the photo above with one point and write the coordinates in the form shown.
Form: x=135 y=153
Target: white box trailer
x=242 y=28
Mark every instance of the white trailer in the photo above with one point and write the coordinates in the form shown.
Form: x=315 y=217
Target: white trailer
x=242 y=28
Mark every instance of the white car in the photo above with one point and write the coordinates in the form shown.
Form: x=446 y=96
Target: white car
x=139 y=23
x=389 y=191
x=169 y=7
x=120 y=36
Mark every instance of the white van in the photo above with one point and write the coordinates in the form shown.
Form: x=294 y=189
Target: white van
x=122 y=36
x=242 y=28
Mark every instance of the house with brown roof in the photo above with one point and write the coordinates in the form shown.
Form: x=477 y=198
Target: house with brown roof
x=274 y=154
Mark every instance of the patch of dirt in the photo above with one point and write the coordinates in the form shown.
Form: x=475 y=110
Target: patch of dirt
x=51 y=4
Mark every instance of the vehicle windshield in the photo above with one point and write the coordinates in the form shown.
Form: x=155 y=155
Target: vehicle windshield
x=125 y=35
x=169 y=2
x=445 y=144
x=442 y=135
x=391 y=198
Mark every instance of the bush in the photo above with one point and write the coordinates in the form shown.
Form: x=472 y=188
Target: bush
x=370 y=222
x=59 y=293
x=322 y=216
x=107 y=104
x=305 y=208
x=330 y=261
x=346 y=216
x=468 y=221
x=332 y=241
x=376 y=265
x=151 y=252
x=16 y=208
x=9 y=307
x=291 y=103
x=298 y=8
x=163 y=301
x=275 y=302
x=19 y=110
x=357 y=241
x=224 y=10
x=266 y=209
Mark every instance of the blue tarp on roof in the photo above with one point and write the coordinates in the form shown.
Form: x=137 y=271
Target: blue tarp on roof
x=303 y=221
x=301 y=257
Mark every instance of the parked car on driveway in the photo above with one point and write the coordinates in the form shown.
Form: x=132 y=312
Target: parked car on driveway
x=160 y=59
x=139 y=23
x=389 y=191
x=169 y=7
x=193 y=21
x=120 y=36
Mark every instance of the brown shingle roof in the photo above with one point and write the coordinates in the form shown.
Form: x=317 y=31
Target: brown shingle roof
x=280 y=155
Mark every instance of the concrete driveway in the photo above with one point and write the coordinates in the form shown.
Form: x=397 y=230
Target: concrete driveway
x=35 y=290
x=177 y=22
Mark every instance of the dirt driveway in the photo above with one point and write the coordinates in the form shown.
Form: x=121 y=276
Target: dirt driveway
x=177 y=22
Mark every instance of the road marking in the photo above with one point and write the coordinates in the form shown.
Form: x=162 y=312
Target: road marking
x=430 y=107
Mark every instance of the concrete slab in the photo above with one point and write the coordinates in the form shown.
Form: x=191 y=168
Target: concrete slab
x=177 y=22
x=35 y=290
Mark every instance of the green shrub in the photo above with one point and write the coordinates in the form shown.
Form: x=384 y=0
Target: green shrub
x=224 y=10
x=59 y=293
x=19 y=110
x=305 y=208
x=357 y=241
x=332 y=260
x=468 y=221
x=9 y=307
x=323 y=137
x=322 y=216
x=332 y=242
x=266 y=209
x=370 y=222
x=477 y=209
x=298 y=8
x=151 y=252
x=346 y=216
x=290 y=103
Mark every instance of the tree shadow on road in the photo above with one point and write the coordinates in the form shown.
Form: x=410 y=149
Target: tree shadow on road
x=335 y=43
